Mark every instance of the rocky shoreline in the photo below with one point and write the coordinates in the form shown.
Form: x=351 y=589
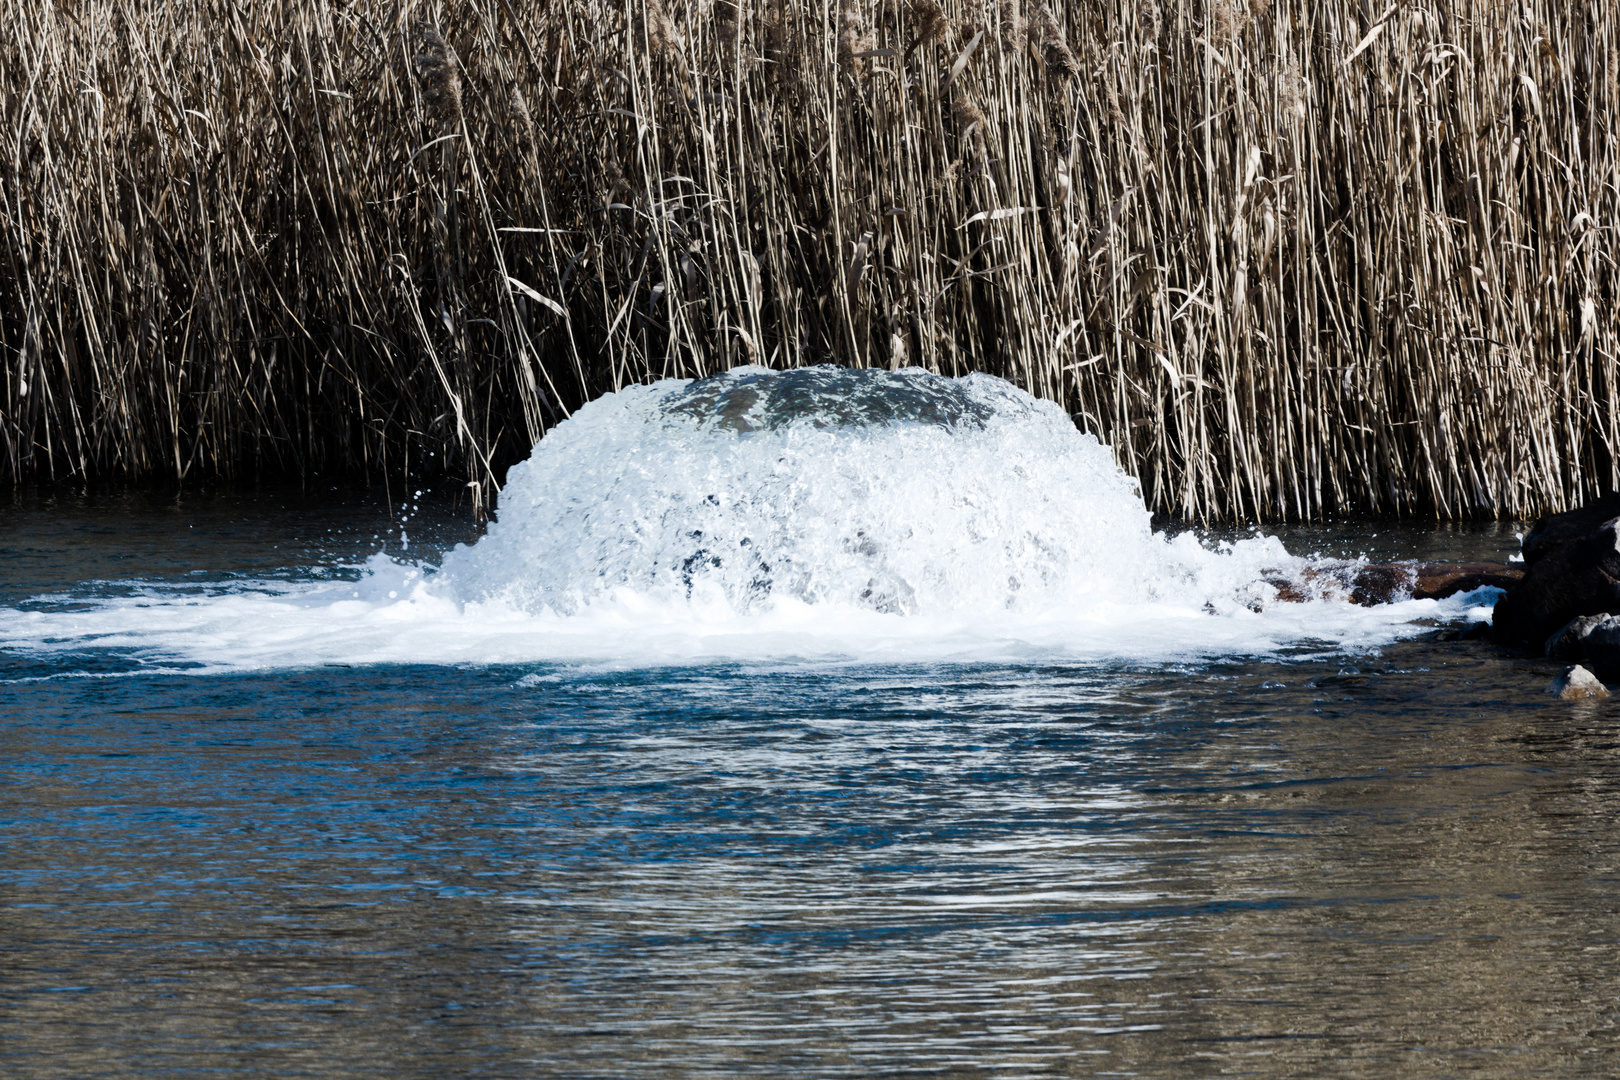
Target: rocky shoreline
x=1567 y=606
x=1562 y=602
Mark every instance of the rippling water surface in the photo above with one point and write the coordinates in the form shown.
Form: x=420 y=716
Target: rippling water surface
x=1401 y=863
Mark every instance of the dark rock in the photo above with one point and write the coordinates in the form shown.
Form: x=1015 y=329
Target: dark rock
x=1602 y=648
x=1577 y=684
x=1558 y=529
x=1381 y=584
x=1572 y=568
x=1569 y=642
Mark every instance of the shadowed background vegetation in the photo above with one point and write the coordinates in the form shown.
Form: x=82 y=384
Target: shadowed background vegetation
x=1285 y=257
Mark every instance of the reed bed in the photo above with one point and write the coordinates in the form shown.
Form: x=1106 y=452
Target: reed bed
x=1286 y=258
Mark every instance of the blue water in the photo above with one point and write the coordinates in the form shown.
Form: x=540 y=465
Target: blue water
x=1392 y=864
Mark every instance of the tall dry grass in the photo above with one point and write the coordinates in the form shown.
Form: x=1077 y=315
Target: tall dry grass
x=1286 y=258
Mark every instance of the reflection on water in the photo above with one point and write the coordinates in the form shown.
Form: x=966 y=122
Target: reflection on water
x=1254 y=870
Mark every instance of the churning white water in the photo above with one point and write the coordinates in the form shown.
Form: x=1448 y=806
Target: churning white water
x=898 y=493
x=816 y=514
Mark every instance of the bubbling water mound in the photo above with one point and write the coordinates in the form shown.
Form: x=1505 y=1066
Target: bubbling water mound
x=784 y=517
x=758 y=399
x=895 y=492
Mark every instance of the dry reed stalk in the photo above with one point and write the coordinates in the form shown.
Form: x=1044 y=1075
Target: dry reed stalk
x=1286 y=259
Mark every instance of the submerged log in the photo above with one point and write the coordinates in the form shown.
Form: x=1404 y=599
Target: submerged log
x=1384 y=583
x=1436 y=581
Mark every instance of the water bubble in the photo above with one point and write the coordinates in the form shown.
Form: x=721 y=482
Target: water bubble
x=900 y=493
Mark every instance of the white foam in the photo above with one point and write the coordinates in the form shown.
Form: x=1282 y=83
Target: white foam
x=637 y=535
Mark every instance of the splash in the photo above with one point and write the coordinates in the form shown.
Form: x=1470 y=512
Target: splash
x=899 y=493
x=813 y=514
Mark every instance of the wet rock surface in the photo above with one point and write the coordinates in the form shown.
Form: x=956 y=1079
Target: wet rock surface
x=1601 y=649
x=1577 y=684
x=1572 y=569
x=1436 y=581
x=1569 y=642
